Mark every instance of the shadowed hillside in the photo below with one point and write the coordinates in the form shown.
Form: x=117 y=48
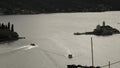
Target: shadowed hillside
x=53 y=6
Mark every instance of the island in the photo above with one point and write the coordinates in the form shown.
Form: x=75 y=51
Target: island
x=103 y=30
x=7 y=32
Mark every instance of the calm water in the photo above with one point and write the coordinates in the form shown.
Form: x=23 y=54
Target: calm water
x=53 y=34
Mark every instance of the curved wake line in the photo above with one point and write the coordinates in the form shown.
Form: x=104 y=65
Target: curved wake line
x=62 y=46
x=46 y=51
x=53 y=60
x=27 y=47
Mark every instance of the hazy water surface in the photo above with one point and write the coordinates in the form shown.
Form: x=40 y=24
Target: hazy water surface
x=53 y=34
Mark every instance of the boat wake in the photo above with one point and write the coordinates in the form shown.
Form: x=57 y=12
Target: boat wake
x=63 y=47
x=26 y=47
x=52 y=52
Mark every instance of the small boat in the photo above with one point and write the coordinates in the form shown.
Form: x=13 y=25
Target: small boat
x=32 y=44
x=70 y=56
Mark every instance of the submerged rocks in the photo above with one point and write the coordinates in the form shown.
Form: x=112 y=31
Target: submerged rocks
x=103 y=30
x=7 y=32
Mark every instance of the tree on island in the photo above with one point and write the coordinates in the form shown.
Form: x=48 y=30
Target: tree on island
x=12 y=28
x=3 y=26
x=8 y=25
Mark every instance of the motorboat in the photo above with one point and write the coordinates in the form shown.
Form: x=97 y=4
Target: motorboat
x=32 y=44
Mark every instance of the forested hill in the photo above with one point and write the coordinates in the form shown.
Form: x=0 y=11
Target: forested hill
x=53 y=6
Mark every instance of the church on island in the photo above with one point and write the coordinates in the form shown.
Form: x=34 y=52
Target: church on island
x=103 y=30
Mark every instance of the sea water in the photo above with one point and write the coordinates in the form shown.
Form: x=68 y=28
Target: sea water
x=53 y=35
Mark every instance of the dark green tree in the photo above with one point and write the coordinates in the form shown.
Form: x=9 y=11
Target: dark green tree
x=12 y=28
x=9 y=25
x=2 y=26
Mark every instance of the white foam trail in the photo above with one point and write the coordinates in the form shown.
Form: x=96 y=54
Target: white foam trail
x=60 y=44
x=26 y=47
x=22 y=47
x=30 y=47
x=68 y=50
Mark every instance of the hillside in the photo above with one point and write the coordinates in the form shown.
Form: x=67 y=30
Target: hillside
x=53 y=6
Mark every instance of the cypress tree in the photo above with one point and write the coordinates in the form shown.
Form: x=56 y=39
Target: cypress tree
x=12 y=28
x=2 y=26
x=9 y=25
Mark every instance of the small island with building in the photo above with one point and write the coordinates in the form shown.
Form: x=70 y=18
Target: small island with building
x=103 y=30
x=7 y=32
